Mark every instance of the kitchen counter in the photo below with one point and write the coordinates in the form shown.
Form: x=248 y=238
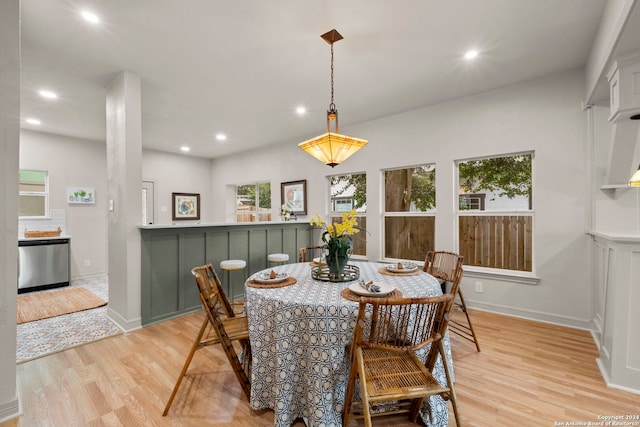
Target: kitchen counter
x=31 y=239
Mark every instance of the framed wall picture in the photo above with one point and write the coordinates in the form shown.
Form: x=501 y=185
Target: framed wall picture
x=81 y=195
x=293 y=195
x=186 y=206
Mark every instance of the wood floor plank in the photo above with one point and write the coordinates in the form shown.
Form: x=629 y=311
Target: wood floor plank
x=528 y=374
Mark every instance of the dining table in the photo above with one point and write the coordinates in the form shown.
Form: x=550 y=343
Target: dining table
x=300 y=329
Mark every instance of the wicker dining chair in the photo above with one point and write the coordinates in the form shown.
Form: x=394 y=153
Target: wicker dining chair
x=308 y=253
x=383 y=357
x=447 y=267
x=228 y=327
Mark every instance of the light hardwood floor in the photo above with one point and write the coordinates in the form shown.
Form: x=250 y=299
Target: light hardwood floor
x=528 y=374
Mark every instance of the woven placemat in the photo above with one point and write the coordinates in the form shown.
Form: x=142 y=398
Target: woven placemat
x=383 y=270
x=286 y=282
x=352 y=296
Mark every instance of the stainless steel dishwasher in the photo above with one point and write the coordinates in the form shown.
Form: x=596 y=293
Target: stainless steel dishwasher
x=42 y=264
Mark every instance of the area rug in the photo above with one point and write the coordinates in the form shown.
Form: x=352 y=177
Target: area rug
x=43 y=305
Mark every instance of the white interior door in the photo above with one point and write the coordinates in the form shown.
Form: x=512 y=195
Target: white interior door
x=147 y=202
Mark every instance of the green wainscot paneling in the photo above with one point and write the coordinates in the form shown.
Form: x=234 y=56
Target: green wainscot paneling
x=170 y=252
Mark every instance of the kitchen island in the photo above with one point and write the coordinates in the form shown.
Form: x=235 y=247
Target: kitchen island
x=170 y=251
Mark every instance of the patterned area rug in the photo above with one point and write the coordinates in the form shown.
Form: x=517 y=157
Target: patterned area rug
x=42 y=337
x=42 y=305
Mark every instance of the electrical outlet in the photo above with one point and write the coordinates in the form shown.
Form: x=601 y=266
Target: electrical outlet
x=479 y=287
x=87 y=263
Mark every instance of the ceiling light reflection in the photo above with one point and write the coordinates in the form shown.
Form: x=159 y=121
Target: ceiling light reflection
x=471 y=54
x=48 y=94
x=90 y=16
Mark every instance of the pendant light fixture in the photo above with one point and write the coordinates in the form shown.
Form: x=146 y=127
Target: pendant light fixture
x=332 y=148
x=635 y=179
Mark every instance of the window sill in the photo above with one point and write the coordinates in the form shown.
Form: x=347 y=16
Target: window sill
x=504 y=275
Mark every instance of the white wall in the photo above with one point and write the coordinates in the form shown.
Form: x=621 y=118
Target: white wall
x=173 y=173
x=73 y=162
x=543 y=115
x=78 y=162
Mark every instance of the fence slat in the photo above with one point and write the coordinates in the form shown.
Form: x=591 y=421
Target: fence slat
x=496 y=241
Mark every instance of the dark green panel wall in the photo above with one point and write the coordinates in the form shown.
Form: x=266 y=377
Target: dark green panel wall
x=165 y=272
x=169 y=254
x=290 y=241
x=257 y=249
x=217 y=249
x=274 y=241
x=192 y=253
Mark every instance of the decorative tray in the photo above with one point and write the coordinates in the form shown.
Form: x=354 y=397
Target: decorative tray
x=322 y=272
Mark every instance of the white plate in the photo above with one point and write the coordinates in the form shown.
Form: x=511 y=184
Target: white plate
x=385 y=289
x=408 y=267
x=265 y=277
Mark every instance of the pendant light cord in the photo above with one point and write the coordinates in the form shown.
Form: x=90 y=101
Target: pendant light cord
x=332 y=106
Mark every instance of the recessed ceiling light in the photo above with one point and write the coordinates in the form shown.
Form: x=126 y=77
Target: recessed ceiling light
x=33 y=121
x=301 y=111
x=470 y=54
x=90 y=16
x=221 y=137
x=184 y=148
x=48 y=94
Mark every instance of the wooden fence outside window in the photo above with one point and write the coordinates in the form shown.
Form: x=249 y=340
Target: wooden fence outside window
x=497 y=241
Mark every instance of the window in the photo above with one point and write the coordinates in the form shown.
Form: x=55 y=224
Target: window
x=253 y=202
x=470 y=201
x=495 y=215
x=33 y=193
x=349 y=192
x=409 y=212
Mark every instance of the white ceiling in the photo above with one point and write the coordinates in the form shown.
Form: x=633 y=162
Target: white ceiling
x=242 y=67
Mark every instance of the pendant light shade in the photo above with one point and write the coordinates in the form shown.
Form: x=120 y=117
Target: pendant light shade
x=635 y=179
x=332 y=148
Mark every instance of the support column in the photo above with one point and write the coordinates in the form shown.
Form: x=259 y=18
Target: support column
x=9 y=160
x=124 y=187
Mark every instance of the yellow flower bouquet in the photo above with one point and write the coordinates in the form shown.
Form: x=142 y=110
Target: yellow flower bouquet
x=337 y=237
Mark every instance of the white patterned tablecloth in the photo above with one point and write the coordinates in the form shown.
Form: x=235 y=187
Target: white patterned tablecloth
x=299 y=336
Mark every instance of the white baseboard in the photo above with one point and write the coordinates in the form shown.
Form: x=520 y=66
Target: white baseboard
x=124 y=324
x=539 y=316
x=607 y=379
x=10 y=410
